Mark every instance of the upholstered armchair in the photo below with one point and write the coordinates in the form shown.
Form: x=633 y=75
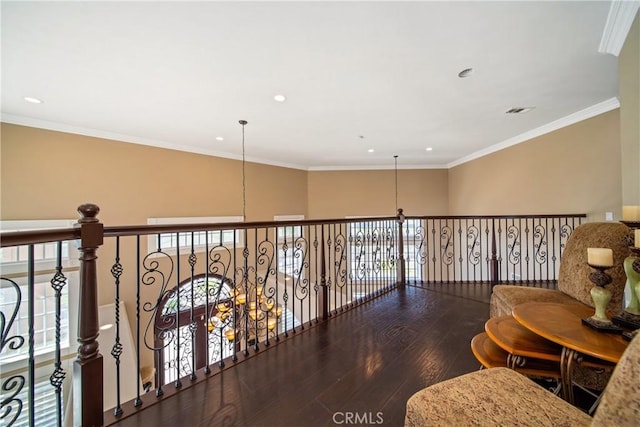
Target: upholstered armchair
x=573 y=283
x=501 y=396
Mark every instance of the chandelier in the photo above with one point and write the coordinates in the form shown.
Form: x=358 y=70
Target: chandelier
x=246 y=322
x=248 y=316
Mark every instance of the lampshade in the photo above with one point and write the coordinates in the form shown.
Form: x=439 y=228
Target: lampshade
x=241 y=299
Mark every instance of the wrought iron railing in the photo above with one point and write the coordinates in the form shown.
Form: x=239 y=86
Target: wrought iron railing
x=204 y=296
x=35 y=333
x=523 y=249
x=185 y=301
x=199 y=297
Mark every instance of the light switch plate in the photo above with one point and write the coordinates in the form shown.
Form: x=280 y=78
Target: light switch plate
x=608 y=216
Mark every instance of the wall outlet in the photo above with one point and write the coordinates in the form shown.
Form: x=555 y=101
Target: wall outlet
x=608 y=216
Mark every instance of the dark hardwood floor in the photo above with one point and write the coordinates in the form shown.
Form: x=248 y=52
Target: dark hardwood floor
x=366 y=362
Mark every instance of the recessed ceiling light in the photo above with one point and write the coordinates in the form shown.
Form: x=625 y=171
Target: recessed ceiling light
x=371 y=150
x=280 y=98
x=32 y=100
x=429 y=149
x=465 y=73
x=219 y=138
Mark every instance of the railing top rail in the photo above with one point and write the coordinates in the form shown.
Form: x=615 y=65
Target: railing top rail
x=19 y=238
x=495 y=216
x=133 y=230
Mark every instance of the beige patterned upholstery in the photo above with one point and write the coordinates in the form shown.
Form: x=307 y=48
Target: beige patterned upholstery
x=620 y=404
x=503 y=397
x=573 y=282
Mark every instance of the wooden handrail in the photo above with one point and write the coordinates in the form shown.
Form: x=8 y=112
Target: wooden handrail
x=13 y=238
x=19 y=238
x=495 y=216
x=134 y=230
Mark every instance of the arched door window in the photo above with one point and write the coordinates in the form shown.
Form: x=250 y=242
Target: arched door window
x=183 y=327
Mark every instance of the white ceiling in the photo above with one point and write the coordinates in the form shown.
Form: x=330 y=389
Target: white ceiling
x=179 y=74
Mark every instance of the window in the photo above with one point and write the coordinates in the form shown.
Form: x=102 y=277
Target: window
x=414 y=250
x=177 y=343
x=169 y=242
x=289 y=259
x=13 y=260
x=372 y=248
x=44 y=316
x=14 y=288
x=380 y=254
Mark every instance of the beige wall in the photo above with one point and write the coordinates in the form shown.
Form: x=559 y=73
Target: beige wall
x=629 y=89
x=572 y=170
x=336 y=194
x=47 y=174
x=575 y=169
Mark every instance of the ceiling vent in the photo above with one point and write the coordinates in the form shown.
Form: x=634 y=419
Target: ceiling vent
x=465 y=73
x=519 y=110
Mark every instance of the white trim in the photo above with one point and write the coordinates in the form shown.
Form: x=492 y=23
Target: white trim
x=374 y=167
x=194 y=220
x=288 y=217
x=118 y=137
x=36 y=224
x=584 y=114
x=152 y=243
x=70 y=260
x=587 y=113
x=619 y=21
x=281 y=231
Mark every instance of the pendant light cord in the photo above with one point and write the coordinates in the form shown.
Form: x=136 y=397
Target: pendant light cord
x=244 y=187
x=395 y=158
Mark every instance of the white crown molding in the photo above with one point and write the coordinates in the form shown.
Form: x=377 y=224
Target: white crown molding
x=587 y=113
x=96 y=133
x=372 y=167
x=619 y=21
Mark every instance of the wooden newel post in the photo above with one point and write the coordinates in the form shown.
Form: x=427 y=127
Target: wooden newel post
x=401 y=276
x=87 y=368
x=324 y=290
x=495 y=271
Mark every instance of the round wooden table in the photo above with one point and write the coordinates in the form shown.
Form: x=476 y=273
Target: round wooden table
x=527 y=352
x=562 y=324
